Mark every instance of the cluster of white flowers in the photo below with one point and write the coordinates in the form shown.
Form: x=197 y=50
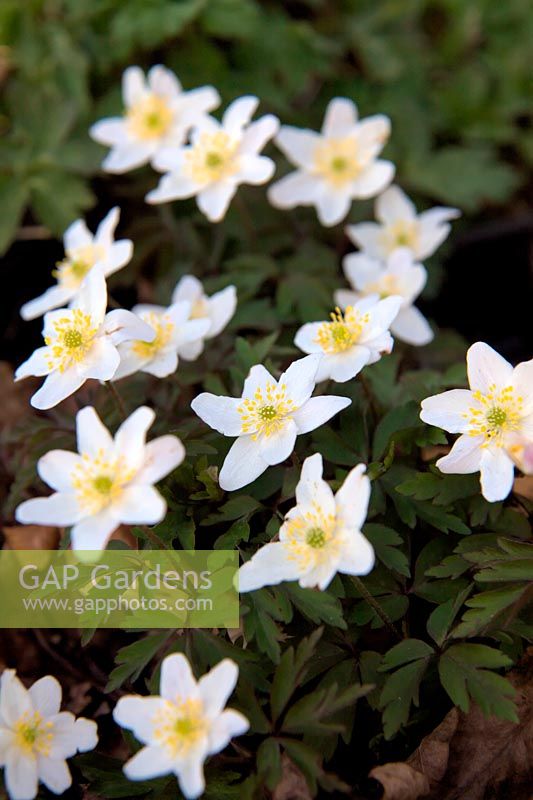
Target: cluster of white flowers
x=110 y=480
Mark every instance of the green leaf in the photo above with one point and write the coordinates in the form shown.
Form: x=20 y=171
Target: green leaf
x=404 y=652
x=133 y=658
x=383 y=540
x=318 y=606
x=14 y=195
x=485 y=609
x=400 y=691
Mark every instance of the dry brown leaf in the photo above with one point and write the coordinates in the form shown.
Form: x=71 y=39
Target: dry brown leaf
x=123 y=534
x=432 y=451
x=15 y=396
x=469 y=756
x=31 y=537
x=292 y=785
x=524 y=486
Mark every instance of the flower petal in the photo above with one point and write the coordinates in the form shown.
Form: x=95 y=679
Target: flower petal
x=163 y=364
x=77 y=235
x=140 y=505
x=60 y=509
x=139 y=715
x=57 y=387
x=37 y=364
x=121 y=326
x=448 y=410
x=358 y=556
x=163 y=82
x=412 y=327
x=130 y=438
x=367 y=236
x=54 y=297
x=298 y=145
x=269 y=566
x=373 y=179
x=177 y=680
x=191 y=778
x=101 y=361
x=258 y=133
x=352 y=498
x=105 y=233
x=15 y=699
x=464 y=457
x=255 y=169
x=295 y=189
x=394 y=205
x=161 y=457
x=217 y=685
x=306 y=339
x=227 y=725
x=340 y=118
x=133 y=85
x=21 y=774
x=523 y=384
x=318 y=410
x=311 y=492
x=187 y=288
x=46 y=696
x=127 y=156
x=222 y=307
x=276 y=448
x=242 y=465
x=92 y=296
x=220 y=413
x=93 y=532
x=360 y=269
x=213 y=201
x=299 y=378
x=486 y=367
x=85 y=734
x=342 y=367
x=150 y=762
x=238 y=114
x=92 y=435
x=54 y=773
x=497 y=474
x=111 y=132
x=333 y=204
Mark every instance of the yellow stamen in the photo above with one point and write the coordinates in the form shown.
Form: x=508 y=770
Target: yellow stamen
x=71 y=339
x=72 y=270
x=33 y=734
x=163 y=327
x=99 y=481
x=267 y=412
x=212 y=157
x=179 y=726
x=150 y=118
x=342 y=332
x=494 y=415
x=337 y=160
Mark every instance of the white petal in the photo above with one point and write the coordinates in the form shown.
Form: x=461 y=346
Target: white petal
x=299 y=378
x=227 y=725
x=258 y=133
x=196 y=103
x=101 y=361
x=59 y=509
x=162 y=365
x=487 y=367
x=464 y=457
x=7 y=739
x=311 y=492
x=412 y=327
x=255 y=169
x=344 y=298
x=173 y=187
x=342 y=367
x=295 y=189
x=319 y=576
x=92 y=434
x=46 y=695
x=222 y=307
x=217 y=686
x=191 y=778
x=57 y=387
x=130 y=361
x=340 y=118
x=372 y=133
x=219 y=413
x=239 y=113
x=318 y=410
x=367 y=236
x=213 y=201
x=133 y=85
x=128 y=156
x=86 y=734
x=373 y=179
x=54 y=297
x=77 y=235
x=523 y=384
x=21 y=775
x=120 y=254
x=93 y=532
x=352 y=498
x=187 y=288
x=430 y=239
x=269 y=566
x=177 y=680
x=497 y=474
x=191 y=350
x=105 y=233
x=170 y=159
x=163 y=82
x=15 y=700
x=276 y=448
x=111 y=132
x=298 y=145
x=54 y=773
x=333 y=204
x=242 y=465
x=121 y=325
x=448 y=410
x=360 y=269
x=394 y=205
x=357 y=555
x=36 y=364
x=161 y=457
x=257 y=378
x=140 y=505
x=139 y=715
x=305 y=338
x=130 y=438
x=150 y=762
x=381 y=316
x=92 y=296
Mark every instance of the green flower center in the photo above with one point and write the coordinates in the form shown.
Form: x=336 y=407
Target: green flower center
x=79 y=268
x=30 y=733
x=339 y=164
x=73 y=339
x=496 y=417
x=213 y=160
x=315 y=537
x=185 y=726
x=103 y=484
x=268 y=412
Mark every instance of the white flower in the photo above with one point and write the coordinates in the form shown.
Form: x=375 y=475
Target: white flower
x=497 y=408
x=183 y=725
x=351 y=339
x=267 y=418
x=320 y=536
x=400 y=226
x=520 y=450
x=218 y=309
x=398 y=276
x=173 y=330
x=221 y=156
x=83 y=251
x=335 y=166
x=108 y=482
x=81 y=343
x=36 y=737
x=158 y=113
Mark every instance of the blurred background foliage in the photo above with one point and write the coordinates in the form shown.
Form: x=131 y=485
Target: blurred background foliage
x=454 y=76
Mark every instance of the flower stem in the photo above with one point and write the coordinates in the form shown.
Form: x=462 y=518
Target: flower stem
x=382 y=614
x=117 y=398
